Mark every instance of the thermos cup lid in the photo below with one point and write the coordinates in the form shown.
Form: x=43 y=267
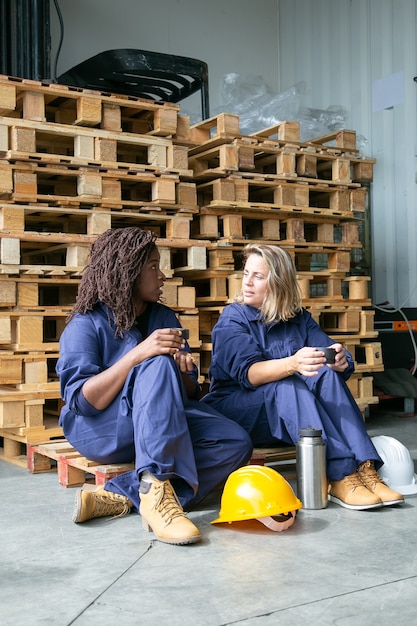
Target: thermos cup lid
x=310 y=432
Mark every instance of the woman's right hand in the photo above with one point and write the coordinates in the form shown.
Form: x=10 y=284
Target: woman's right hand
x=162 y=341
x=307 y=361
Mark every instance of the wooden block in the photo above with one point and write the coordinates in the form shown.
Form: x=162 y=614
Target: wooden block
x=234 y=284
x=34 y=417
x=89 y=184
x=209 y=226
x=98 y=222
x=5 y=330
x=34 y=106
x=7 y=99
x=11 y=372
x=4 y=138
x=341 y=170
x=350 y=232
x=358 y=199
x=77 y=256
x=177 y=157
x=197 y=257
x=178 y=227
x=27 y=330
x=69 y=476
x=373 y=353
x=111 y=189
x=246 y=158
x=12 y=217
x=23 y=139
x=339 y=200
x=232 y=226
x=325 y=233
x=27 y=294
x=271 y=229
x=187 y=194
x=170 y=294
x=8 y=296
x=339 y=261
x=221 y=257
x=224 y=190
x=186 y=297
x=163 y=189
x=363 y=171
x=346 y=139
x=105 y=149
x=25 y=183
x=165 y=121
x=157 y=155
x=6 y=179
x=35 y=371
x=367 y=321
x=286 y=163
x=366 y=387
x=10 y=251
x=295 y=230
x=111 y=117
x=84 y=146
x=358 y=287
x=12 y=414
x=183 y=127
x=88 y=111
x=307 y=165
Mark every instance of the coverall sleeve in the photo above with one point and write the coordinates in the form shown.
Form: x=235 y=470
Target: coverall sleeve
x=235 y=348
x=79 y=360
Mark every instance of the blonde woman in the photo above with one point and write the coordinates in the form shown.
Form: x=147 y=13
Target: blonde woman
x=269 y=375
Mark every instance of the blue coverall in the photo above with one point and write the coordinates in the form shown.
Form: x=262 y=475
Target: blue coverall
x=151 y=421
x=278 y=410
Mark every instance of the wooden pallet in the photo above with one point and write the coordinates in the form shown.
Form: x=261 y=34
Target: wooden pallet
x=88 y=186
x=261 y=456
x=72 y=468
x=22 y=98
x=73 y=146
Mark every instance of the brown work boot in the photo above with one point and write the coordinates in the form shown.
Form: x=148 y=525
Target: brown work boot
x=98 y=502
x=351 y=493
x=162 y=513
x=372 y=481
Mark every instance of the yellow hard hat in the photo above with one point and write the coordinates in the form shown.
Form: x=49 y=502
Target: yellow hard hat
x=258 y=492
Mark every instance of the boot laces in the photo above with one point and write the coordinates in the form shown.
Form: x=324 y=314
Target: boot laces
x=106 y=505
x=167 y=503
x=354 y=480
x=368 y=475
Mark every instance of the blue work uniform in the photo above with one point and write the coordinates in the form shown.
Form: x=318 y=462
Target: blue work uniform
x=151 y=422
x=278 y=410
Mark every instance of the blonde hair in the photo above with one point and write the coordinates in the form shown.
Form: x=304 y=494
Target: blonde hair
x=283 y=298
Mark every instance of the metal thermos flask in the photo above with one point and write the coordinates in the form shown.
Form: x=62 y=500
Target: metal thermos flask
x=311 y=469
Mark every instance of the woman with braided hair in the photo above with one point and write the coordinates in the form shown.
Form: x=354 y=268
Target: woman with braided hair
x=131 y=394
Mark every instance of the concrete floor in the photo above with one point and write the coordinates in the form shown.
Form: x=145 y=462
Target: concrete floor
x=334 y=566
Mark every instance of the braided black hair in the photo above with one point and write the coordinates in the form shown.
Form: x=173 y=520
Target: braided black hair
x=117 y=257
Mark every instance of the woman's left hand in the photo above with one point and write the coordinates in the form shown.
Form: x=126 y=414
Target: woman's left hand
x=341 y=362
x=184 y=360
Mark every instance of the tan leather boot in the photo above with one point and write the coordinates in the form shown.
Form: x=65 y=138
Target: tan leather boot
x=162 y=513
x=351 y=493
x=372 y=481
x=90 y=503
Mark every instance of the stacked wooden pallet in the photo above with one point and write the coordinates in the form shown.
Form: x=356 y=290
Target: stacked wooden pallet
x=309 y=198
x=75 y=162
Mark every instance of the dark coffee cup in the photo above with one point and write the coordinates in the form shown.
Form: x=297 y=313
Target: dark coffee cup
x=329 y=353
x=185 y=333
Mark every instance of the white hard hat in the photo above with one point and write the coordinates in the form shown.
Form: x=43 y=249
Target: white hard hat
x=398 y=469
